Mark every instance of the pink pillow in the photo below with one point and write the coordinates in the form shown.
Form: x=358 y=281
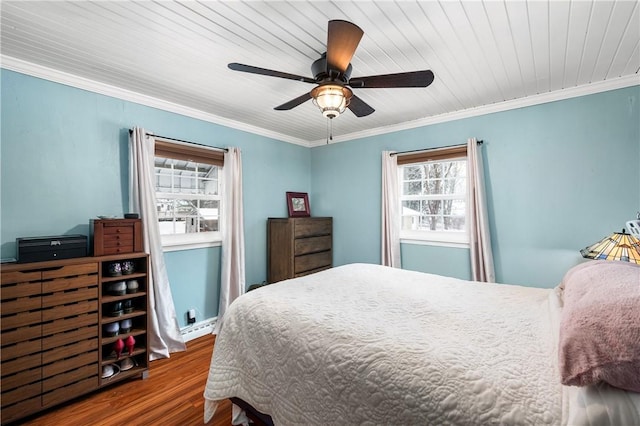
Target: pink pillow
x=600 y=325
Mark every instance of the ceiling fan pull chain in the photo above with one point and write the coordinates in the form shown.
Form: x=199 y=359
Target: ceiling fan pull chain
x=330 y=129
x=327 y=131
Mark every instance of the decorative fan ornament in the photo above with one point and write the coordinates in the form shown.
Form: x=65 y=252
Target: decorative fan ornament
x=332 y=75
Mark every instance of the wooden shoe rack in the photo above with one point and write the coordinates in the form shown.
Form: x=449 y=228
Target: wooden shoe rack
x=53 y=345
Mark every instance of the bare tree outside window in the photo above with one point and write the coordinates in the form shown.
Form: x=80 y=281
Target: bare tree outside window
x=433 y=195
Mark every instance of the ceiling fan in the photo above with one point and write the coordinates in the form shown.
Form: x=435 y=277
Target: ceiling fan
x=332 y=74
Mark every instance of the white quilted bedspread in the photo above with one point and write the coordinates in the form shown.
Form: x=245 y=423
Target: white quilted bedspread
x=365 y=344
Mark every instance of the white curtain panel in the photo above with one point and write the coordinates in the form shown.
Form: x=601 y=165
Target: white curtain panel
x=479 y=237
x=232 y=281
x=165 y=336
x=390 y=211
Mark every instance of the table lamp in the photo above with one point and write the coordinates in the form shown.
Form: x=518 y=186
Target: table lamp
x=617 y=246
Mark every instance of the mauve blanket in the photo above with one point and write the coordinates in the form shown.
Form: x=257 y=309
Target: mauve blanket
x=600 y=325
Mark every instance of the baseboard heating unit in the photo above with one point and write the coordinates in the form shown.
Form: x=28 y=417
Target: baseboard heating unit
x=198 y=329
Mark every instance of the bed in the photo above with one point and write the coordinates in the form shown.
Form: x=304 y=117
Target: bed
x=368 y=344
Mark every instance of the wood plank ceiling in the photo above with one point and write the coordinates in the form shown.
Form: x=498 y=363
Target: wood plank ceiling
x=481 y=52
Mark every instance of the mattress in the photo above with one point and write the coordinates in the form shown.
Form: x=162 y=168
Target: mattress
x=367 y=344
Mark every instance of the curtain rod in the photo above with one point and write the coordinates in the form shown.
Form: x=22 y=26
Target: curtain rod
x=432 y=149
x=183 y=141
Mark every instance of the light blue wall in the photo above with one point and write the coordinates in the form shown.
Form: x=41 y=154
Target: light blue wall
x=64 y=160
x=559 y=176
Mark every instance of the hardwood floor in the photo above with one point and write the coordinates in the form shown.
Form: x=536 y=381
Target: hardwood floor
x=172 y=395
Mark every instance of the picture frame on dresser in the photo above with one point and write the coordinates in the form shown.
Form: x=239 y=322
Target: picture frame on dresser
x=298 y=204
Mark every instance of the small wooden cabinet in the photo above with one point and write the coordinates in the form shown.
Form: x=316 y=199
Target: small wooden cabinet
x=298 y=246
x=116 y=236
x=53 y=313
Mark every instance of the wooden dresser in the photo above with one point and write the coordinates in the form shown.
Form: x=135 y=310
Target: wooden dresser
x=54 y=314
x=298 y=246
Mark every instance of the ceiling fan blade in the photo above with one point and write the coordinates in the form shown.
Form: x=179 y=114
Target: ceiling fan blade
x=403 y=79
x=342 y=40
x=263 y=71
x=359 y=107
x=294 y=102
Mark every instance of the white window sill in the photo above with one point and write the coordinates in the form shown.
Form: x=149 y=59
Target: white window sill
x=442 y=239
x=191 y=241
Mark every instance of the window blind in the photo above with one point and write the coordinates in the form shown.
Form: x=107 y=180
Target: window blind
x=435 y=154
x=189 y=152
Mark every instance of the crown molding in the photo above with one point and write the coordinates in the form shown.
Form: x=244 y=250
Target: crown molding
x=542 y=98
x=39 y=71
x=34 y=70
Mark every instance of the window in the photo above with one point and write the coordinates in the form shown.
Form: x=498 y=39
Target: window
x=433 y=196
x=188 y=194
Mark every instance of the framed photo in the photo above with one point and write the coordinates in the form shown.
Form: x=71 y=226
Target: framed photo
x=298 y=203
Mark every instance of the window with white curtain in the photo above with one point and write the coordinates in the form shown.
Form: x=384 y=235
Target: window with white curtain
x=188 y=183
x=433 y=196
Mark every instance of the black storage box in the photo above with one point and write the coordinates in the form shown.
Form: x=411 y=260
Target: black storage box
x=39 y=249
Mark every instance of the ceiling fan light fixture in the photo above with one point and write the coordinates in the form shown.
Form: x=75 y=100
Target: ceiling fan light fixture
x=332 y=99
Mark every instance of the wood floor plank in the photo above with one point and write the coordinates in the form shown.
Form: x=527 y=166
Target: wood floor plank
x=172 y=395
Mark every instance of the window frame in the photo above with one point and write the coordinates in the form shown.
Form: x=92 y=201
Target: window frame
x=437 y=238
x=165 y=148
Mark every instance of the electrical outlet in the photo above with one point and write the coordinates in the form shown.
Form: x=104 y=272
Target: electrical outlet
x=191 y=316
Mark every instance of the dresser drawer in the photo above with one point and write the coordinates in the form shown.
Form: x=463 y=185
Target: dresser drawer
x=310 y=227
x=61 y=298
x=70 y=350
x=70 y=377
x=118 y=230
x=312 y=271
x=18 y=306
x=18 y=394
x=71 y=271
x=121 y=249
x=21 y=409
x=68 y=392
x=69 y=337
x=23 y=363
x=13 y=277
x=313 y=261
x=18 y=351
x=118 y=240
x=72 y=283
x=22 y=319
x=22 y=334
x=67 y=311
x=68 y=365
x=21 y=378
x=68 y=324
x=312 y=245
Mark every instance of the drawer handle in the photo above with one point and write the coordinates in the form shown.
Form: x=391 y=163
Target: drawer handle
x=52 y=268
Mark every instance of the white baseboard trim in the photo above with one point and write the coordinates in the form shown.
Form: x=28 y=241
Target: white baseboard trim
x=198 y=329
